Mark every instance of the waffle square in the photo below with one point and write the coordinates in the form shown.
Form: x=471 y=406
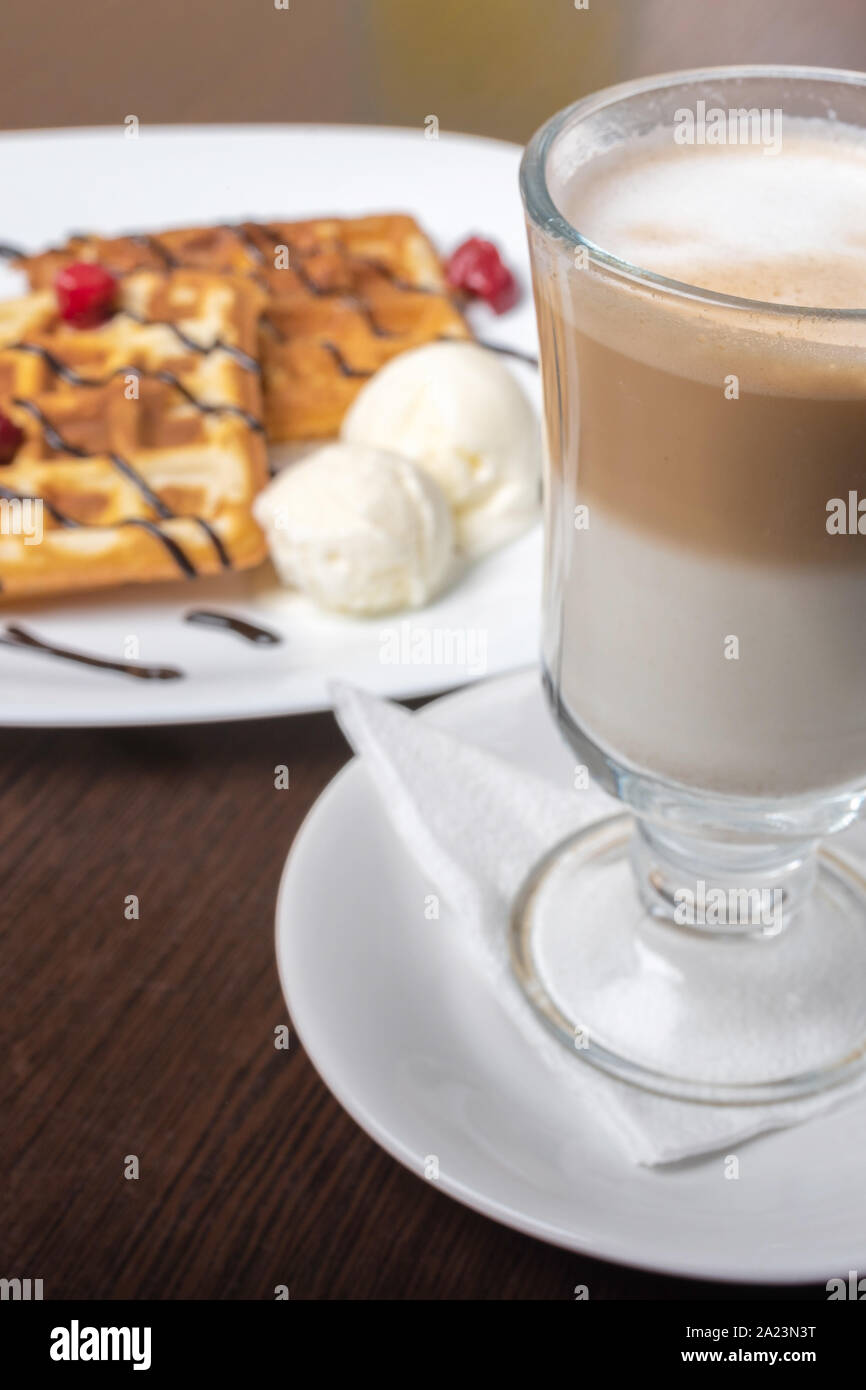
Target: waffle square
x=344 y=295
x=142 y=437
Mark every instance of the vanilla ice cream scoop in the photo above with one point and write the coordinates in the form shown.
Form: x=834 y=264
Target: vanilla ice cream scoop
x=463 y=417
x=358 y=529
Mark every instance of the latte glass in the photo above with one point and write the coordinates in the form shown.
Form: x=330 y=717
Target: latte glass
x=704 y=637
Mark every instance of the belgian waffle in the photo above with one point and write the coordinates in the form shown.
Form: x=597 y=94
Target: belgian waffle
x=142 y=437
x=344 y=295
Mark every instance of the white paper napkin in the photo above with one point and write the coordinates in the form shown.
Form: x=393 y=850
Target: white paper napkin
x=477 y=824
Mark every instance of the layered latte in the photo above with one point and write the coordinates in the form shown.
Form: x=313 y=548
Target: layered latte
x=705 y=477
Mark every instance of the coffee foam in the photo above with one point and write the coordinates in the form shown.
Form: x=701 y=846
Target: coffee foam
x=734 y=219
x=721 y=427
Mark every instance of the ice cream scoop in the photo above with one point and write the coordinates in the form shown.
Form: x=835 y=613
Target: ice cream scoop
x=358 y=529
x=462 y=416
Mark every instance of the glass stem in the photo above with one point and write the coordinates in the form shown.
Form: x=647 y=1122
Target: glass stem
x=721 y=888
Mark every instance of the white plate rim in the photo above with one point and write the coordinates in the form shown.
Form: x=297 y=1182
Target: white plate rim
x=256 y=128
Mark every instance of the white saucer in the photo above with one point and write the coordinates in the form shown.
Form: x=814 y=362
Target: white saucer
x=425 y=1060
x=183 y=175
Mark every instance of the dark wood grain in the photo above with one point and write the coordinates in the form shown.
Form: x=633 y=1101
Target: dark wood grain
x=155 y=1038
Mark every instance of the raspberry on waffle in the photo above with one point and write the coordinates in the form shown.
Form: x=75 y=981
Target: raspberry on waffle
x=142 y=436
x=344 y=295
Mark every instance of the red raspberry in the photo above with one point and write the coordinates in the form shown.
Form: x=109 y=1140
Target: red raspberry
x=477 y=268
x=85 y=294
x=10 y=438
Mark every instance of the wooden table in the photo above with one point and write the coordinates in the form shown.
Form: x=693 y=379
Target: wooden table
x=155 y=1038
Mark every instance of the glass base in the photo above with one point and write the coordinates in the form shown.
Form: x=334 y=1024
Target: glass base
x=696 y=1009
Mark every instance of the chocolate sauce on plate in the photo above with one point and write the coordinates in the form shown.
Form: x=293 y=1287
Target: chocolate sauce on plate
x=16 y=636
x=260 y=636
x=528 y=357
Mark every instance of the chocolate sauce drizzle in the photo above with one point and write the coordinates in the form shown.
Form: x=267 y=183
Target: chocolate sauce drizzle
x=54 y=512
x=354 y=301
x=239 y=231
x=16 y=636
x=259 y=636
x=167 y=378
x=151 y=243
x=204 y=407
x=405 y=285
x=243 y=359
x=55 y=441
x=345 y=367
x=179 y=556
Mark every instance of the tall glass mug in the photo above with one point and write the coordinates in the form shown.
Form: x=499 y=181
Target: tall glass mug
x=704 y=645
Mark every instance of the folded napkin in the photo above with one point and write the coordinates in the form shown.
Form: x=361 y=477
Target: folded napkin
x=477 y=824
